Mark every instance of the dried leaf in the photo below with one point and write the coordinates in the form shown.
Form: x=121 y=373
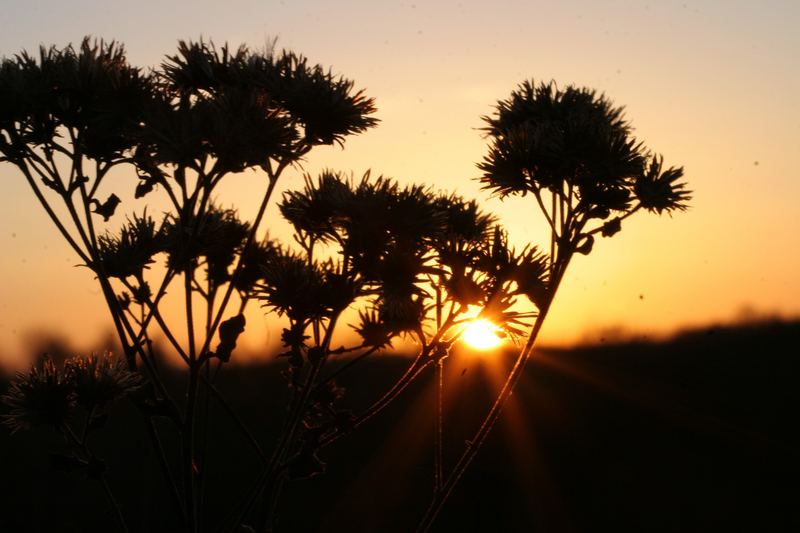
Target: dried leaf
x=107 y=208
x=229 y=332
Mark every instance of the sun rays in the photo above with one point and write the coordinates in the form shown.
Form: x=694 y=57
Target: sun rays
x=481 y=335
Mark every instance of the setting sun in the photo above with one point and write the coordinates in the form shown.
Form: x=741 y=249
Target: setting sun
x=481 y=335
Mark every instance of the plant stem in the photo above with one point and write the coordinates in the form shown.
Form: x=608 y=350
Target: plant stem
x=347 y=366
x=187 y=441
x=474 y=445
x=438 y=462
x=91 y=259
x=234 y=416
x=240 y=264
x=82 y=448
x=53 y=217
x=417 y=366
x=114 y=503
x=154 y=313
x=165 y=469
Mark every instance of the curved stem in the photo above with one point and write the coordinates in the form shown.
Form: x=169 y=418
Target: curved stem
x=165 y=469
x=155 y=313
x=417 y=366
x=347 y=366
x=53 y=217
x=239 y=265
x=82 y=448
x=114 y=503
x=277 y=461
x=621 y=218
x=475 y=443
x=232 y=413
x=538 y=195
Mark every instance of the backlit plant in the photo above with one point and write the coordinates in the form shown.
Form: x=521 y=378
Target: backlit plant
x=573 y=152
x=406 y=262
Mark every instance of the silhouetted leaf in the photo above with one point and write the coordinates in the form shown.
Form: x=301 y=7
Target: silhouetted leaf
x=585 y=247
x=144 y=187
x=53 y=184
x=229 y=331
x=612 y=227
x=107 y=208
x=80 y=180
x=124 y=300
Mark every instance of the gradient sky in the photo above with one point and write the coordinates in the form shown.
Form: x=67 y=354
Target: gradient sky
x=712 y=85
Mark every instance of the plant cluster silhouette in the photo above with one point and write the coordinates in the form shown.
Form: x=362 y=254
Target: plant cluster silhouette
x=405 y=260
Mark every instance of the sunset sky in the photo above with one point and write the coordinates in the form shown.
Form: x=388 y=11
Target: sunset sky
x=711 y=85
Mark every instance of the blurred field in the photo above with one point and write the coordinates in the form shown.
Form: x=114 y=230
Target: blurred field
x=699 y=433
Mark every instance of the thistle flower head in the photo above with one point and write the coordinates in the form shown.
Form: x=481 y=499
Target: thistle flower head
x=530 y=274
x=98 y=380
x=202 y=67
x=292 y=287
x=217 y=236
x=326 y=105
x=544 y=138
x=243 y=107
x=132 y=251
x=90 y=89
x=43 y=396
x=251 y=273
x=659 y=190
x=402 y=314
x=373 y=331
x=463 y=219
x=319 y=208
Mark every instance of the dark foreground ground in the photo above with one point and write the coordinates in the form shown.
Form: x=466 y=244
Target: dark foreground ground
x=696 y=434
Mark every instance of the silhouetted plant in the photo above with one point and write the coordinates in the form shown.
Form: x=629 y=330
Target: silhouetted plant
x=411 y=263
x=48 y=395
x=573 y=151
x=68 y=116
x=42 y=397
x=404 y=260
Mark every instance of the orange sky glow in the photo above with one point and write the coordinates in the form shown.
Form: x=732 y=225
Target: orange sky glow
x=711 y=85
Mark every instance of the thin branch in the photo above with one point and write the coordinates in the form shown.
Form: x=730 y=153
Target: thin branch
x=538 y=195
x=239 y=265
x=53 y=217
x=165 y=469
x=419 y=364
x=113 y=502
x=155 y=313
x=347 y=366
x=232 y=413
x=491 y=418
x=438 y=458
x=621 y=218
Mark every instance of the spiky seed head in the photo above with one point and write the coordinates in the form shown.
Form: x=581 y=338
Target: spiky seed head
x=43 y=396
